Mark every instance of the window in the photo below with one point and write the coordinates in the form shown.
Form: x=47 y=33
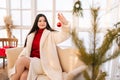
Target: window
x=2 y=11
x=23 y=13
x=108 y=13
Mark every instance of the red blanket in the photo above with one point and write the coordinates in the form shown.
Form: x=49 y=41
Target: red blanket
x=2 y=51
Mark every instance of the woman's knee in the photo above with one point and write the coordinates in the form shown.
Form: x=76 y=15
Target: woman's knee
x=23 y=61
x=24 y=75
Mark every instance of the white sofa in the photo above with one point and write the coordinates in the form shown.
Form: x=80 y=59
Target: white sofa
x=68 y=58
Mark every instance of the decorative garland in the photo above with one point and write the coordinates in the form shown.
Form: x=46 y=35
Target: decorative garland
x=77 y=9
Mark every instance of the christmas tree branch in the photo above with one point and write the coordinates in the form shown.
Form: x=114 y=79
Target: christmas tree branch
x=85 y=57
x=109 y=37
x=115 y=54
x=86 y=75
x=101 y=76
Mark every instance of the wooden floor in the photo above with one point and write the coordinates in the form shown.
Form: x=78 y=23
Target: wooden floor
x=3 y=74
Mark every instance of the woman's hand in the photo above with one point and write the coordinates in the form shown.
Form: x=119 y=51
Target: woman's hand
x=62 y=19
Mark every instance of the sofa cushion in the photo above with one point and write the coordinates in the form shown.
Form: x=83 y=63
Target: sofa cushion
x=12 y=54
x=69 y=59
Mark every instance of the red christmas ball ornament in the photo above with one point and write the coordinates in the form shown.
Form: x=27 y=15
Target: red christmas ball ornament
x=59 y=24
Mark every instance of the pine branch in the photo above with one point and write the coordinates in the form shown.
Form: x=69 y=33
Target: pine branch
x=96 y=70
x=101 y=76
x=86 y=75
x=117 y=24
x=85 y=57
x=109 y=37
x=115 y=54
x=95 y=67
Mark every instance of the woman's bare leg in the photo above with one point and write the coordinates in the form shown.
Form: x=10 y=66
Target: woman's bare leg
x=24 y=75
x=21 y=64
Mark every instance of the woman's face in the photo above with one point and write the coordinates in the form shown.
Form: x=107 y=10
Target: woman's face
x=42 y=23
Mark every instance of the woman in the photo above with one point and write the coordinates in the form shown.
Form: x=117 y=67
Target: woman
x=39 y=56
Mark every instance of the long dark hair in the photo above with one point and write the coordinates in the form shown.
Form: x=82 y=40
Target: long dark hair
x=35 y=26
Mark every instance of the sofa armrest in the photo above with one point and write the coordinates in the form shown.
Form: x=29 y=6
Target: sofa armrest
x=12 y=54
